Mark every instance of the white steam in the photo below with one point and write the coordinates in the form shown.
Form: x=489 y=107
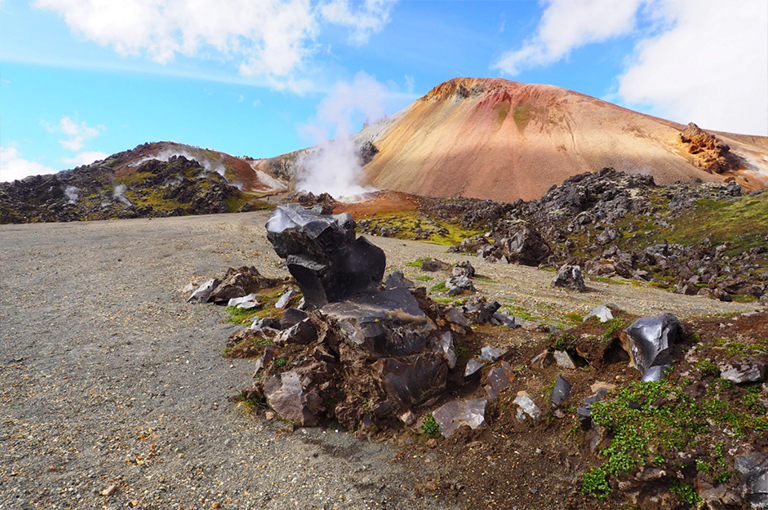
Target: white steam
x=119 y=194
x=334 y=167
x=72 y=193
x=167 y=154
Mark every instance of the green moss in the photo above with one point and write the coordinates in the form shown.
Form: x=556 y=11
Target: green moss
x=440 y=287
x=424 y=278
x=242 y=316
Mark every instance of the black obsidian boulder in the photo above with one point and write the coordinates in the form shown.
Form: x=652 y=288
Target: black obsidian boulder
x=322 y=254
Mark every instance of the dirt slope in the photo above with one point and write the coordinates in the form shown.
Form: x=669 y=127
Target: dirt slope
x=502 y=140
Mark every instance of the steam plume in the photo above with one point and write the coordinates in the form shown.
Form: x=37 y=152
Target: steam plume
x=334 y=166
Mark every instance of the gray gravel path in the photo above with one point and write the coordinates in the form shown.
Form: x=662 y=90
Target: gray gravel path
x=108 y=378
x=109 y=381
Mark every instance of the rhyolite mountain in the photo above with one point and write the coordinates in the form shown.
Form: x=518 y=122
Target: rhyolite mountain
x=501 y=140
x=152 y=180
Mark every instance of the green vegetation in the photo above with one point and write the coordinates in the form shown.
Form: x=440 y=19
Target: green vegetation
x=707 y=368
x=429 y=425
x=614 y=327
x=440 y=287
x=652 y=422
x=424 y=278
x=241 y=316
x=280 y=362
x=414 y=225
x=685 y=492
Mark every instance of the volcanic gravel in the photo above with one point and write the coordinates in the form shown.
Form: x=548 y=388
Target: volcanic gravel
x=114 y=391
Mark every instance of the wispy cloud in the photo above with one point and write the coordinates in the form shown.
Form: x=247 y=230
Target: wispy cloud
x=364 y=20
x=693 y=60
x=77 y=134
x=84 y=158
x=271 y=39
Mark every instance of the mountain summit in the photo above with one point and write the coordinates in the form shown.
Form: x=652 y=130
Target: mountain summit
x=502 y=140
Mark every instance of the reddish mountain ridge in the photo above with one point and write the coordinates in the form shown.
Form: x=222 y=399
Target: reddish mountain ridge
x=502 y=140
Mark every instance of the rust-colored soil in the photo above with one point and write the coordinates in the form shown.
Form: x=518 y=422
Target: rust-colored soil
x=378 y=202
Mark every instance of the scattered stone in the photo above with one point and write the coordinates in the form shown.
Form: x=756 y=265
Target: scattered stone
x=109 y=490
x=285 y=299
x=473 y=367
x=504 y=319
x=432 y=265
x=479 y=311
x=649 y=342
x=246 y=302
x=239 y=283
x=267 y=323
x=463 y=269
x=569 y=277
x=322 y=254
x=527 y=406
x=457 y=284
x=561 y=390
x=498 y=379
x=396 y=280
x=455 y=316
x=490 y=354
x=202 y=294
x=564 y=360
x=454 y=414
x=747 y=370
x=602 y=312
x=445 y=345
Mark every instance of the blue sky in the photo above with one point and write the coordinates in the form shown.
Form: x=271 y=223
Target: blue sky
x=80 y=79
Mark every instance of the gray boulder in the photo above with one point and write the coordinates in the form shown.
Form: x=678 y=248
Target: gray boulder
x=498 y=379
x=203 y=292
x=569 y=277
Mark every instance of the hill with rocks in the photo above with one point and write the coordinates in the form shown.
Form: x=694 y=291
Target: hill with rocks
x=152 y=180
x=502 y=140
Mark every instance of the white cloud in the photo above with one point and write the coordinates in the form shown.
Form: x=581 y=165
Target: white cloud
x=566 y=25
x=695 y=60
x=84 y=158
x=368 y=18
x=710 y=67
x=13 y=166
x=270 y=38
x=77 y=134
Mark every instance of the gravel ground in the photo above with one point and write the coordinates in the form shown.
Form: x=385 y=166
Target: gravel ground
x=114 y=392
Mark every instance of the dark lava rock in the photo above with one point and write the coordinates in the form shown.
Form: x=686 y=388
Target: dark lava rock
x=523 y=244
x=323 y=255
x=569 y=277
x=753 y=471
x=649 y=342
x=561 y=390
x=432 y=265
x=397 y=280
x=240 y=282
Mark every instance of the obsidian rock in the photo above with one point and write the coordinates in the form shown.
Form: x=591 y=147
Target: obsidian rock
x=322 y=254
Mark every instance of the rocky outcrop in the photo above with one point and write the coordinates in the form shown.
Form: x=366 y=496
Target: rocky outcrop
x=709 y=152
x=115 y=188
